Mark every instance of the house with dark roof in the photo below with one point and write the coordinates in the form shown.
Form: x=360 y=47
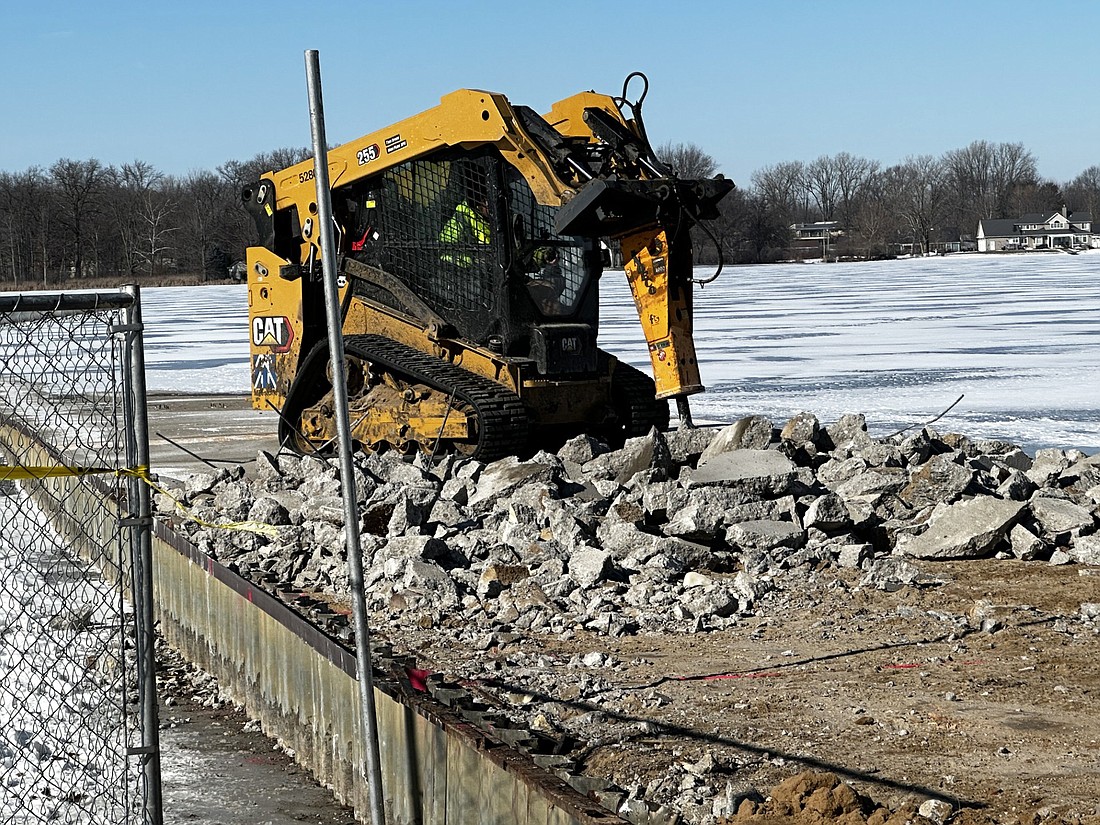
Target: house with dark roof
x=814 y=239
x=1056 y=230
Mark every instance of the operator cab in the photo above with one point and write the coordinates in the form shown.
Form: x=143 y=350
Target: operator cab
x=464 y=233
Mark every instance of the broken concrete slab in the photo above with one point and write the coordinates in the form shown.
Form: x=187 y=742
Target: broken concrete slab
x=1057 y=516
x=751 y=433
x=967 y=529
x=755 y=473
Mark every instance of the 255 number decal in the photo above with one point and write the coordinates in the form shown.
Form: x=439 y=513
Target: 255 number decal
x=366 y=155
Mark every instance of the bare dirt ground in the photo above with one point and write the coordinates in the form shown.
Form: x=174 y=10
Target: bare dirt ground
x=903 y=695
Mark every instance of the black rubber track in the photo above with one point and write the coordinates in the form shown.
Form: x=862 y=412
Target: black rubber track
x=501 y=418
x=632 y=394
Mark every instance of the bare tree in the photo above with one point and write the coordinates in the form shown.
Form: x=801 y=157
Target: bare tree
x=783 y=187
x=238 y=173
x=983 y=176
x=751 y=229
x=970 y=176
x=876 y=217
x=852 y=176
x=687 y=160
x=766 y=229
x=25 y=211
x=208 y=207
x=81 y=184
x=39 y=203
x=823 y=183
x=922 y=196
x=1042 y=197
x=121 y=205
x=142 y=203
x=1083 y=192
x=1013 y=167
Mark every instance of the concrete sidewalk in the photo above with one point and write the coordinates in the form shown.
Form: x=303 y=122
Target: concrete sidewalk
x=218 y=769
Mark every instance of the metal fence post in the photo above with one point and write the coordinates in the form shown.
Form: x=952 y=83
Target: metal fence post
x=139 y=502
x=347 y=469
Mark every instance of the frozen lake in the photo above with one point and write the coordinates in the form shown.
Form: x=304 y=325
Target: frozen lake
x=899 y=341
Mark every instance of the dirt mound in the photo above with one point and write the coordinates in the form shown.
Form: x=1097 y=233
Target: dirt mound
x=817 y=798
x=811 y=798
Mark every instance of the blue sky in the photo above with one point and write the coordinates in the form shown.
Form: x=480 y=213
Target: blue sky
x=187 y=86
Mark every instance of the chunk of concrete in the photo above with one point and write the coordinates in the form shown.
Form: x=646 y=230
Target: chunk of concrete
x=1056 y=515
x=1085 y=549
x=827 y=512
x=1026 y=546
x=751 y=433
x=582 y=449
x=801 y=428
x=497 y=577
x=942 y=478
x=766 y=473
x=849 y=432
x=765 y=534
x=589 y=565
x=502 y=478
x=686 y=445
x=872 y=482
x=966 y=529
x=647 y=452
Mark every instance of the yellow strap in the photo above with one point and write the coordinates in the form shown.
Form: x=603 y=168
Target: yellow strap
x=20 y=473
x=257 y=527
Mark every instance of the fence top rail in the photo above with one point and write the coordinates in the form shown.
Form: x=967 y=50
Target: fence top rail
x=11 y=302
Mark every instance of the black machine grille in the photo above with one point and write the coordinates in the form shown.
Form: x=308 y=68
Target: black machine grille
x=450 y=228
x=554 y=266
x=430 y=224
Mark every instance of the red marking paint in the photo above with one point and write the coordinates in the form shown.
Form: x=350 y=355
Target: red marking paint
x=418 y=678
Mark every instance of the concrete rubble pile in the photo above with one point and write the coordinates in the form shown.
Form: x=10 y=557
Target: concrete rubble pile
x=680 y=532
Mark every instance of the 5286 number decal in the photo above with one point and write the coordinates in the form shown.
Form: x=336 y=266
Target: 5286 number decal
x=366 y=155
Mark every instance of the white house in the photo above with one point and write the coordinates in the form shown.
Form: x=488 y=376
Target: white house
x=1056 y=230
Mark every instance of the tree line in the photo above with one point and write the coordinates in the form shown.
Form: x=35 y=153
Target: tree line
x=921 y=204
x=80 y=219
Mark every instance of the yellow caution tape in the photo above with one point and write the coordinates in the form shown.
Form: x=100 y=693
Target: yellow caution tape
x=21 y=473
x=257 y=527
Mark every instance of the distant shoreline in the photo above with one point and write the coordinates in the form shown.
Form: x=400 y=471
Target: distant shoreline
x=197 y=280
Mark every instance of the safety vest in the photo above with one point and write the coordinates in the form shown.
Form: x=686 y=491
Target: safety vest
x=466 y=226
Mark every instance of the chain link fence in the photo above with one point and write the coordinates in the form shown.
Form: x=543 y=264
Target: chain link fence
x=78 y=720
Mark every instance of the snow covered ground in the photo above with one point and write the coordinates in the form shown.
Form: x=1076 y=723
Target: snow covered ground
x=196 y=339
x=1018 y=336
x=62 y=722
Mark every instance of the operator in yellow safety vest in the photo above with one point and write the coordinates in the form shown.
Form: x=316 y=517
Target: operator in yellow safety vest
x=468 y=225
